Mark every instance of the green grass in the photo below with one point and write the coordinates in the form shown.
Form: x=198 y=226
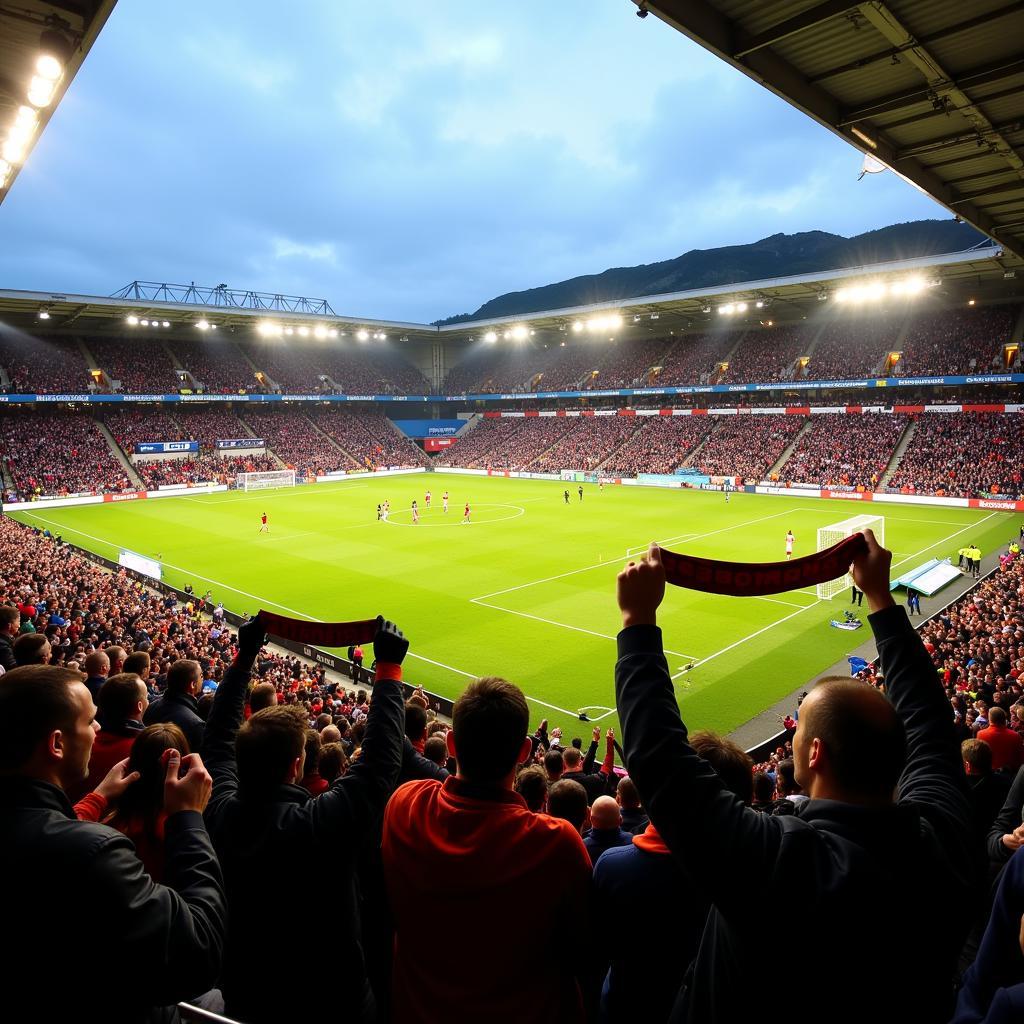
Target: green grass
x=550 y=620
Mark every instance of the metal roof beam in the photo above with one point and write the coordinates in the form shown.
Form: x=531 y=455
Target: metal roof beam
x=799 y=23
x=957 y=138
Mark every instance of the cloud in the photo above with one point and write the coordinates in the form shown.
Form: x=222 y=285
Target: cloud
x=322 y=252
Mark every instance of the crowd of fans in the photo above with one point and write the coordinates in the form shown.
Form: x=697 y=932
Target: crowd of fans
x=661 y=445
x=139 y=363
x=503 y=442
x=851 y=347
x=961 y=341
x=963 y=456
x=57 y=453
x=217 y=365
x=844 y=451
x=369 y=439
x=747 y=447
x=209 y=425
x=132 y=426
x=42 y=365
x=586 y=442
x=206 y=467
x=769 y=354
x=294 y=439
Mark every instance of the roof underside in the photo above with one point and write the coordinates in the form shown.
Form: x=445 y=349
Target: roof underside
x=937 y=86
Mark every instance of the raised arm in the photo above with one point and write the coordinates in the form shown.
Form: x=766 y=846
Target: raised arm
x=731 y=848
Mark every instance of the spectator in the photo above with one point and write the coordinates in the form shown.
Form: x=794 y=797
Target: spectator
x=532 y=786
x=1007 y=746
x=180 y=702
x=10 y=620
x=333 y=762
x=259 y=816
x=168 y=940
x=32 y=649
x=606 y=830
x=634 y=818
x=122 y=703
x=860 y=853
x=116 y=656
x=554 y=765
x=436 y=750
x=312 y=780
x=475 y=839
x=786 y=786
x=97 y=668
x=567 y=800
x=262 y=695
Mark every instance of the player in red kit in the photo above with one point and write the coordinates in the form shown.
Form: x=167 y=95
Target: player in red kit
x=263 y=520
x=426 y=499
x=444 y=498
x=465 y=514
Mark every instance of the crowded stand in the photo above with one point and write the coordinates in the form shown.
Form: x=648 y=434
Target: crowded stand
x=694 y=357
x=844 y=451
x=372 y=370
x=136 y=426
x=208 y=425
x=736 y=449
x=769 y=354
x=202 y=468
x=217 y=366
x=504 y=443
x=295 y=440
x=851 y=347
x=57 y=453
x=957 y=341
x=963 y=456
x=586 y=443
x=630 y=364
x=369 y=438
x=291 y=368
x=502 y=369
x=41 y=365
x=140 y=365
x=661 y=445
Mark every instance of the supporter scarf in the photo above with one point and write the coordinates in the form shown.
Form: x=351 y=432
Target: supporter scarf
x=650 y=841
x=755 y=579
x=319 y=634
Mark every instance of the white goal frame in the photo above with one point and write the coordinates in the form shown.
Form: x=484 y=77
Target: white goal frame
x=265 y=480
x=833 y=534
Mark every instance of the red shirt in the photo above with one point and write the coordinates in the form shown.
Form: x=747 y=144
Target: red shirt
x=496 y=863
x=1007 y=747
x=263 y=518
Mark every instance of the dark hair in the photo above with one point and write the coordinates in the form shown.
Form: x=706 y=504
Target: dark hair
x=333 y=761
x=996 y=717
x=568 y=799
x=554 y=763
x=322 y=721
x=312 y=748
x=118 y=697
x=262 y=696
x=764 y=788
x=862 y=734
x=267 y=745
x=137 y=662
x=532 y=786
x=490 y=721
x=182 y=674
x=28 y=649
x=628 y=794
x=785 y=778
x=978 y=754
x=34 y=700
x=9 y=616
x=145 y=798
x=730 y=761
x=436 y=750
x=415 y=721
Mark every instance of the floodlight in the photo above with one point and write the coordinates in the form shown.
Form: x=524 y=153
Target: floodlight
x=213 y=327
x=320 y=332
x=333 y=332
x=303 y=332
x=727 y=310
x=289 y=331
x=44 y=315
x=519 y=332
x=48 y=67
x=491 y=337
x=40 y=91
x=614 y=321
x=133 y=321
x=13 y=151
x=741 y=307
x=203 y=325
x=167 y=323
x=382 y=336
x=145 y=323
x=362 y=335
x=970 y=302
x=577 y=327
x=5 y=169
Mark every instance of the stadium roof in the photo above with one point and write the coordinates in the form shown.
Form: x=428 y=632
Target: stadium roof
x=60 y=33
x=978 y=274
x=932 y=88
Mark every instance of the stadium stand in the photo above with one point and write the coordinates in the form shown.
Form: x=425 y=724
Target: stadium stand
x=42 y=365
x=140 y=365
x=963 y=456
x=369 y=439
x=957 y=341
x=586 y=442
x=217 y=366
x=294 y=439
x=735 y=449
x=661 y=445
x=852 y=347
x=844 y=451
x=769 y=354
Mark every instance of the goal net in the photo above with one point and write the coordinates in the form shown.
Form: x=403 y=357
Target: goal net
x=261 y=481
x=829 y=535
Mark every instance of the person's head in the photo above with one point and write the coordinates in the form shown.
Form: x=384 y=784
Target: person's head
x=270 y=748
x=146 y=796
x=322 y=721
x=263 y=695
x=185 y=677
x=330 y=734
x=627 y=796
x=785 y=781
x=849 y=744
x=415 y=721
x=436 y=750
x=97 y=664
x=764 y=787
x=573 y=759
x=10 y=620
x=122 y=697
x=47 y=724
x=730 y=761
x=605 y=813
x=333 y=761
x=489 y=731
x=32 y=649
x=532 y=786
x=996 y=717
x=138 y=663
x=567 y=799
x=116 y=656
x=312 y=752
x=554 y=765
x=977 y=757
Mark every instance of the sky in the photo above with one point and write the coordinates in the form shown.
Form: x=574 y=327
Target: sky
x=409 y=160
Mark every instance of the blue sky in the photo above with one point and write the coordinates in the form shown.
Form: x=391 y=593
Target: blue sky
x=411 y=160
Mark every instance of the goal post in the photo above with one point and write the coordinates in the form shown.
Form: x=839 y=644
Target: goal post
x=262 y=481
x=833 y=534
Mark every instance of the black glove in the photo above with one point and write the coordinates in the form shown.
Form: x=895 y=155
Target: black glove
x=388 y=642
x=251 y=637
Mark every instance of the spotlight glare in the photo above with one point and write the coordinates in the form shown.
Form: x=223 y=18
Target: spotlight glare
x=40 y=91
x=167 y=323
x=303 y=332
x=48 y=67
x=133 y=321
x=519 y=332
x=203 y=325
x=741 y=307
x=362 y=335
x=145 y=323
x=491 y=337
x=13 y=151
x=577 y=327
x=44 y=315
x=320 y=332
x=289 y=331
x=333 y=332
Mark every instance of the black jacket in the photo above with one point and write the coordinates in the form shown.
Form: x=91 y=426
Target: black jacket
x=264 y=840
x=89 y=933
x=854 y=884
x=1008 y=818
x=183 y=710
x=7 y=659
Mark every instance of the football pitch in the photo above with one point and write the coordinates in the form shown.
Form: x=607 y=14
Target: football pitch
x=527 y=589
